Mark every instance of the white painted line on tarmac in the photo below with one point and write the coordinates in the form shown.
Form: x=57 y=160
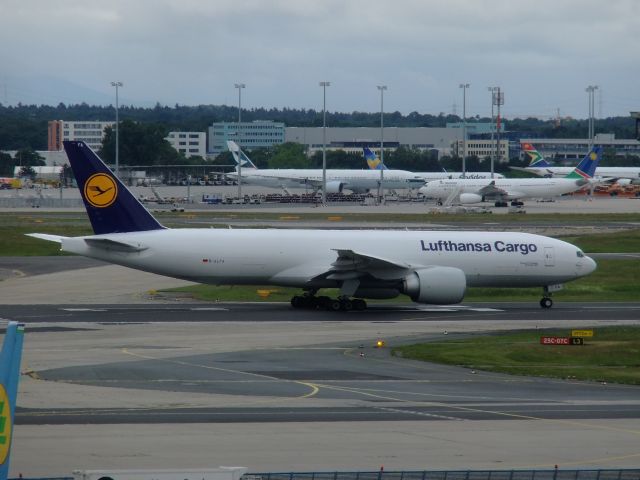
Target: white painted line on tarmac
x=209 y=309
x=84 y=309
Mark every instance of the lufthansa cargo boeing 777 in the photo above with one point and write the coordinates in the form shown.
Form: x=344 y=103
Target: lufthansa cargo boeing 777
x=430 y=267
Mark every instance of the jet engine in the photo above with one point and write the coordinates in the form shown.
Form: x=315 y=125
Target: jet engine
x=624 y=182
x=470 y=198
x=436 y=285
x=335 y=187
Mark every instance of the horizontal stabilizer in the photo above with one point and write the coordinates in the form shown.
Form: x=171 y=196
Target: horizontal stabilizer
x=46 y=236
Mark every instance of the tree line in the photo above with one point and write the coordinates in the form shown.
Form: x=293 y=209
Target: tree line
x=25 y=126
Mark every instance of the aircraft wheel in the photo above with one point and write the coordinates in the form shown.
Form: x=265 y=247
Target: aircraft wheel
x=359 y=304
x=335 y=305
x=297 y=301
x=546 y=302
x=346 y=305
x=324 y=302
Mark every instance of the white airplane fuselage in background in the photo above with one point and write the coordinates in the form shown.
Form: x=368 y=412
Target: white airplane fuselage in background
x=624 y=175
x=358 y=181
x=473 y=191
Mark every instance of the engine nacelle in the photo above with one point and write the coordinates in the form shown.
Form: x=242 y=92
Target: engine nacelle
x=335 y=187
x=470 y=198
x=624 y=182
x=436 y=285
x=379 y=293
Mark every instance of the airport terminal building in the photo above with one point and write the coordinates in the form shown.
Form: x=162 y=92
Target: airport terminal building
x=575 y=148
x=353 y=139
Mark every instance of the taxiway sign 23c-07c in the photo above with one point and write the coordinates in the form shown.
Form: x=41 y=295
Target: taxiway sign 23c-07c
x=430 y=267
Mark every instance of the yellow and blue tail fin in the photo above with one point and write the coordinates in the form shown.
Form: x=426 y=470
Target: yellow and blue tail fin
x=586 y=169
x=111 y=207
x=373 y=161
x=9 y=377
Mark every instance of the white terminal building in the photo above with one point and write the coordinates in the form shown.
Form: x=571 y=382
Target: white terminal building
x=191 y=144
x=90 y=132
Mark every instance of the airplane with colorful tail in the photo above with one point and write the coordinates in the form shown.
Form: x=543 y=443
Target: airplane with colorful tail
x=374 y=163
x=9 y=377
x=467 y=191
x=538 y=165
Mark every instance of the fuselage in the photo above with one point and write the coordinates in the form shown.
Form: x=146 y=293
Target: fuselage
x=299 y=258
x=352 y=179
x=631 y=173
x=513 y=188
x=429 y=176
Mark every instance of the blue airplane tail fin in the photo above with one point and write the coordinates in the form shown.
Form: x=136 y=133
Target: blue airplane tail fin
x=9 y=377
x=111 y=207
x=372 y=159
x=586 y=169
x=239 y=156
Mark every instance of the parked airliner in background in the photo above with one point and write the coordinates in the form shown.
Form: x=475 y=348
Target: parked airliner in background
x=374 y=163
x=357 y=181
x=9 y=377
x=467 y=191
x=539 y=166
x=430 y=267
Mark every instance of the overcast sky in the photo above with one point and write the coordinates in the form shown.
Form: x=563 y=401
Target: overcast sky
x=542 y=53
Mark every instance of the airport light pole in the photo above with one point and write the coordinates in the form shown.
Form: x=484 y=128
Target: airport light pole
x=117 y=85
x=239 y=86
x=591 y=90
x=324 y=86
x=382 y=88
x=497 y=99
x=492 y=90
x=464 y=87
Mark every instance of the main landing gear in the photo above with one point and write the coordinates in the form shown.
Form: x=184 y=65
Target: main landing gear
x=546 y=301
x=342 y=303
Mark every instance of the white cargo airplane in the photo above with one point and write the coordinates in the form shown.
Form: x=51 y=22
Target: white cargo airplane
x=621 y=175
x=357 y=181
x=466 y=191
x=429 y=267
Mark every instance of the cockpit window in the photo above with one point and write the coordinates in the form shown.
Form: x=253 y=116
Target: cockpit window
x=580 y=254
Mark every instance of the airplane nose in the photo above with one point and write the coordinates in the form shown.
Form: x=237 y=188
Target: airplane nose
x=588 y=266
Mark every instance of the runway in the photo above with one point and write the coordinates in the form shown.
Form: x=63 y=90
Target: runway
x=173 y=383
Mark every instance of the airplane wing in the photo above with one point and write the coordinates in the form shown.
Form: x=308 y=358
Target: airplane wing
x=350 y=265
x=492 y=190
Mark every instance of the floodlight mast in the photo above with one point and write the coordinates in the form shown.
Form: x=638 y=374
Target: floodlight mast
x=324 y=86
x=382 y=88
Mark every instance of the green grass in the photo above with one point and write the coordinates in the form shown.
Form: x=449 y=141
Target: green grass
x=13 y=228
x=612 y=355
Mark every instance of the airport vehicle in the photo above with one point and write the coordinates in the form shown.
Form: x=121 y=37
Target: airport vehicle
x=357 y=181
x=374 y=163
x=466 y=191
x=430 y=267
x=623 y=176
x=9 y=377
